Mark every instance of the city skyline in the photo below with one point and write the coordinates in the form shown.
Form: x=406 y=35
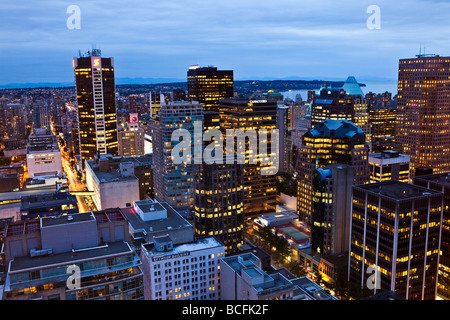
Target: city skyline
x=166 y=162
x=257 y=40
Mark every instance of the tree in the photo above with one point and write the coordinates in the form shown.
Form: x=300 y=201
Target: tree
x=283 y=250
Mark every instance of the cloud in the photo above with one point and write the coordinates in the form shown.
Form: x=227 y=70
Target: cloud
x=254 y=37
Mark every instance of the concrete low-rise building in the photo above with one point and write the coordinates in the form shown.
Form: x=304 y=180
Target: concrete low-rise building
x=83 y=256
x=242 y=278
x=112 y=187
x=149 y=218
x=188 y=271
x=43 y=154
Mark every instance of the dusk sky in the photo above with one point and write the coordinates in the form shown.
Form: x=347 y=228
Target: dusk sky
x=258 y=39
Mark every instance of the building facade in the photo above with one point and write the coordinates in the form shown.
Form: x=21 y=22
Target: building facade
x=207 y=85
x=47 y=204
x=331 y=209
x=346 y=103
x=329 y=142
x=174 y=182
x=395 y=239
x=389 y=165
x=43 y=154
x=251 y=117
x=219 y=203
x=423 y=111
x=42 y=256
x=188 y=271
x=96 y=100
x=441 y=182
x=112 y=187
x=131 y=139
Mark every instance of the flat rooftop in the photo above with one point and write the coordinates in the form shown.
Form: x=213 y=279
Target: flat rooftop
x=397 y=190
x=200 y=244
x=247 y=263
x=112 y=175
x=440 y=178
x=17 y=195
x=145 y=206
x=65 y=219
x=20 y=264
x=389 y=156
x=22 y=227
x=284 y=214
x=173 y=221
x=46 y=199
x=310 y=289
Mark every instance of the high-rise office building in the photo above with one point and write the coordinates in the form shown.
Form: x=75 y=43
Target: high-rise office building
x=346 y=103
x=258 y=115
x=43 y=117
x=331 y=209
x=208 y=85
x=382 y=119
x=155 y=100
x=423 y=111
x=96 y=98
x=131 y=139
x=329 y=142
x=395 y=239
x=284 y=143
x=389 y=165
x=331 y=103
x=441 y=182
x=15 y=121
x=174 y=182
x=219 y=203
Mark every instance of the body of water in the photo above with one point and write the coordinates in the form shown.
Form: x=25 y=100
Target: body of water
x=375 y=87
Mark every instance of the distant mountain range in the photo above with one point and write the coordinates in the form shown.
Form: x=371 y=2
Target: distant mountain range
x=149 y=81
x=119 y=81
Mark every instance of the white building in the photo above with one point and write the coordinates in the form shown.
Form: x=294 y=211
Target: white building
x=149 y=219
x=188 y=271
x=113 y=188
x=43 y=154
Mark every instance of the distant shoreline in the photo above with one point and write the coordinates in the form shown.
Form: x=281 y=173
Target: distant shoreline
x=281 y=85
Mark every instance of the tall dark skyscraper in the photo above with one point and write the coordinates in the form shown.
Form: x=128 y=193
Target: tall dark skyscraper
x=441 y=182
x=396 y=231
x=346 y=103
x=331 y=208
x=174 y=182
x=258 y=114
x=329 y=142
x=207 y=85
x=423 y=111
x=95 y=88
x=219 y=203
